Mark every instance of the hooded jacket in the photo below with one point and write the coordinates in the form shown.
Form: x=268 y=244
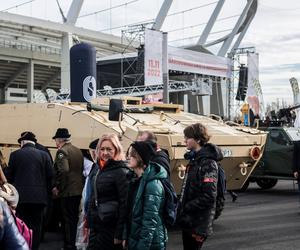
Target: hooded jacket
x=198 y=195
x=10 y=238
x=147 y=230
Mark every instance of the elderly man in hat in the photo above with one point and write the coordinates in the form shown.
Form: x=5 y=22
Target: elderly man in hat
x=68 y=183
x=30 y=171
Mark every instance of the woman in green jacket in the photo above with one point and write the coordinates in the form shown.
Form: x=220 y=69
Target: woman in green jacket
x=145 y=229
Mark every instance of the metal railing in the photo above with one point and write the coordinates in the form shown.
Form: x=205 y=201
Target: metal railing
x=4 y=43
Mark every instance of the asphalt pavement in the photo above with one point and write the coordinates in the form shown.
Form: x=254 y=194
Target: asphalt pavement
x=258 y=220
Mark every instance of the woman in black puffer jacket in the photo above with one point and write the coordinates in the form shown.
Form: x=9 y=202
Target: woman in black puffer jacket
x=107 y=203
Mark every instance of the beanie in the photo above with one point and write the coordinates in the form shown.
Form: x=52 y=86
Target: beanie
x=145 y=150
x=93 y=144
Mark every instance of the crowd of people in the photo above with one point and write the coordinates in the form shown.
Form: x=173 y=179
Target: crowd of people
x=112 y=199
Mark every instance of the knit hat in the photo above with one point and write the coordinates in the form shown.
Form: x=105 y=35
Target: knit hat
x=93 y=144
x=145 y=150
x=27 y=136
x=9 y=193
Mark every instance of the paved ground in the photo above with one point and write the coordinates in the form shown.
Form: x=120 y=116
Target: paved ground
x=258 y=220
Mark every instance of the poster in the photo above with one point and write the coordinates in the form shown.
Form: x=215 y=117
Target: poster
x=153 y=57
x=254 y=92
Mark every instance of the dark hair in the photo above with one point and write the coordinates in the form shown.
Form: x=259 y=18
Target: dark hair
x=198 y=132
x=133 y=153
x=93 y=144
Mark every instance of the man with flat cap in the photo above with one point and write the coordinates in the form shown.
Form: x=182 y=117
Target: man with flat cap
x=30 y=171
x=68 y=184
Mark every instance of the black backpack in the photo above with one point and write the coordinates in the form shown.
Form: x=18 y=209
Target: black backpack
x=171 y=203
x=221 y=190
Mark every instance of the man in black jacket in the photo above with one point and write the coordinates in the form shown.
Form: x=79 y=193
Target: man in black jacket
x=38 y=145
x=199 y=189
x=30 y=171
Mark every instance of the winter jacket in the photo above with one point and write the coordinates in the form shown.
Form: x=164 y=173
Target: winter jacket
x=198 y=197
x=111 y=186
x=31 y=172
x=10 y=238
x=161 y=157
x=45 y=149
x=146 y=228
x=68 y=166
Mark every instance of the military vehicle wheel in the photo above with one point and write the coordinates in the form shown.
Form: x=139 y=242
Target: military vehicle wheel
x=266 y=183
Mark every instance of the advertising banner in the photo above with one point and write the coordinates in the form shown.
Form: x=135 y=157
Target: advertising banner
x=295 y=88
x=254 y=93
x=197 y=62
x=153 y=57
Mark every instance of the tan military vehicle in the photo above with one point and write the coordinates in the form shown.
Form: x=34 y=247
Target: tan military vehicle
x=242 y=147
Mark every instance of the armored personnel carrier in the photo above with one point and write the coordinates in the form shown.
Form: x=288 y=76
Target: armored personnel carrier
x=241 y=146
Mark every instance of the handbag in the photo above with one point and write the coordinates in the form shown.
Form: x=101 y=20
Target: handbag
x=107 y=211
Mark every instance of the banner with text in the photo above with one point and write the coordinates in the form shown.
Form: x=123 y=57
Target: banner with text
x=198 y=62
x=254 y=92
x=153 y=57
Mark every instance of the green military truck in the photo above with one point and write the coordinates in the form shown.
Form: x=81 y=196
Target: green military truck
x=277 y=160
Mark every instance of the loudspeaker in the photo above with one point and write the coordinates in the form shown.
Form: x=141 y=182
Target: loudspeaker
x=115 y=109
x=243 y=84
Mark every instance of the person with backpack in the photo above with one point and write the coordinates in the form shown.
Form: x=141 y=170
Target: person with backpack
x=10 y=237
x=199 y=188
x=15 y=234
x=145 y=227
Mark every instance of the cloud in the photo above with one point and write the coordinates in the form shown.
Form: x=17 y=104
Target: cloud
x=281 y=67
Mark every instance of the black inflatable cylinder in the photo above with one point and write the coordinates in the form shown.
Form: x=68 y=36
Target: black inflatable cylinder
x=83 y=72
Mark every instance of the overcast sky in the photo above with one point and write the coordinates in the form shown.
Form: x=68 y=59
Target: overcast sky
x=274 y=31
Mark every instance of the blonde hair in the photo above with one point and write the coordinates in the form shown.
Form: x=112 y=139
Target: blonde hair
x=114 y=140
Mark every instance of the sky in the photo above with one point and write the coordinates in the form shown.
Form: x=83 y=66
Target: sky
x=274 y=31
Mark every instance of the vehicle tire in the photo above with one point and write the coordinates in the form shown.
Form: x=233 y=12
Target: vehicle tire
x=266 y=183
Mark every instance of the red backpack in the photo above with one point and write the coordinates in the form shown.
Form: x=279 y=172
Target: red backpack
x=24 y=230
